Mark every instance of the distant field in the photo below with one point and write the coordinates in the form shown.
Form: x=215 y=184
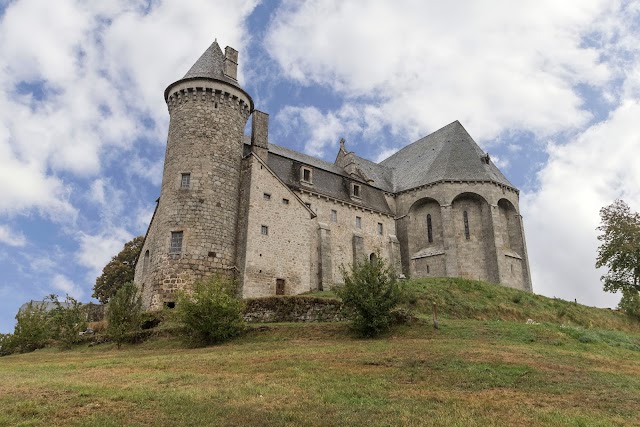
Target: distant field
x=469 y=373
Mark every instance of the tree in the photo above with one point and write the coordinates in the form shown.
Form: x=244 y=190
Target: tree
x=67 y=320
x=32 y=330
x=118 y=271
x=211 y=313
x=620 y=248
x=124 y=313
x=371 y=290
x=620 y=253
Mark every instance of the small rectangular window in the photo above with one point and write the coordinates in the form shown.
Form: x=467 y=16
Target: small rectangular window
x=185 y=182
x=266 y=196
x=306 y=175
x=334 y=215
x=176 y=242
x=355 y=190
x=285 y=201
x=380 y=228
x=264 y=230
x=358 y=222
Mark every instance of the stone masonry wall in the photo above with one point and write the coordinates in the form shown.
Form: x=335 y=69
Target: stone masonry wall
x=488 y=255
x=344 y=229
x=206 y=141
x=284 y=252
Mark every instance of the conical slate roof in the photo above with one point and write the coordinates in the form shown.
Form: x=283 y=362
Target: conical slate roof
x=210 y=65
x=448 y=154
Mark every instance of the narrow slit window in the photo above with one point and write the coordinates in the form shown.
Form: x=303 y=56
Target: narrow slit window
x=185 y=182
x=380 y=229
x=145 y=265
x=429 y=229
x=264 y=230
x=358 y=222
x=176 y=242
x=334 y=215
x=466 y=225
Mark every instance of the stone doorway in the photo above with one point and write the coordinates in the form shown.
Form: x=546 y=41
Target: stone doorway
x=279 y=286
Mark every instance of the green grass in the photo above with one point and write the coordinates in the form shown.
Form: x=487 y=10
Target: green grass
x=484 y=367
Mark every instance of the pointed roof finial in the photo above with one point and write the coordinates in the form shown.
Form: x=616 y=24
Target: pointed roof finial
x=210 y=65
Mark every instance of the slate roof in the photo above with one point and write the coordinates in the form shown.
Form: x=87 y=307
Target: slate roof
x=447 y=154
x=382 y=176
x=210 y=65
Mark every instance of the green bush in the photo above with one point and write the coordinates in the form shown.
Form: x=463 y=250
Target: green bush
x=32 y=330
x=6 y=344
x=371 y=290
x=212 y=312
x=124 y=314
x=66 y=321
x=630 y=303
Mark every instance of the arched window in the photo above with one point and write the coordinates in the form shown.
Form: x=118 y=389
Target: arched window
x=466 y=225
x=429 y=229
x=145 y=263
x=372 y=258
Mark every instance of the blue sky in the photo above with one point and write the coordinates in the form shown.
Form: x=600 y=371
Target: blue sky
x=550 y=89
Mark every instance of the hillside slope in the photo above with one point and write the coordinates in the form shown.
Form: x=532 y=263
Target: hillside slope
x=478 y=369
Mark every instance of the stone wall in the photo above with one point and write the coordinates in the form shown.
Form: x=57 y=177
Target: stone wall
x=205 y=140
x=495 y=250
x=293 y=309
x=283 y=250
x=344 y=233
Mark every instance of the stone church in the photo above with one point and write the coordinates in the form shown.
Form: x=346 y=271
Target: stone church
x=282 y=222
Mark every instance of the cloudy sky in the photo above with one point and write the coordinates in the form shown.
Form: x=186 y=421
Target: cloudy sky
x=550 y=89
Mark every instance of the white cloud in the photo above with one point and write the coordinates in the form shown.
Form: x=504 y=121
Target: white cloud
x=416 y=66
x=590 y=172
x=12 y=237
x=81 y=82
x=65 y=285
x=96 y=250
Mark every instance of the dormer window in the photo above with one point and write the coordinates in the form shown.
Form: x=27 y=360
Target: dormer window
x=355 y=190
x=306 y=175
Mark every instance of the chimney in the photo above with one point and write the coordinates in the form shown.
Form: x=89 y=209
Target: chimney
x=260 y=133
x=231 y=63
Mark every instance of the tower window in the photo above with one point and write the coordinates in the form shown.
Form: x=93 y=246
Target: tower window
x=185 y=182
x=466 y=225
x=176 y=242
x=266 y=196
x=307 y=175
x=145 y=264
x=429 y=229
x=285 y=201
x=264 y=230
x=380 y=228
x=334 y=215
x=358 y=222
x=355 y=190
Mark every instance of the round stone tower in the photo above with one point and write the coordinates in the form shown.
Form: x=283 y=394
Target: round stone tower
x=193 y=231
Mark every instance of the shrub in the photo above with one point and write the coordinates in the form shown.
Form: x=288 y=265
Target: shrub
x=32 y=330
x=67 y=320
x=630 y=303
x=6 y=344
x=124 y=314
x=212 y=312
x=371 y=290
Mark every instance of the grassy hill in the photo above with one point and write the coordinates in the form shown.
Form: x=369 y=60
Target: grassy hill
x=485 y=366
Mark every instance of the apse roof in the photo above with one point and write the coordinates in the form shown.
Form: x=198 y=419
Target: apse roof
x=448 y=154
